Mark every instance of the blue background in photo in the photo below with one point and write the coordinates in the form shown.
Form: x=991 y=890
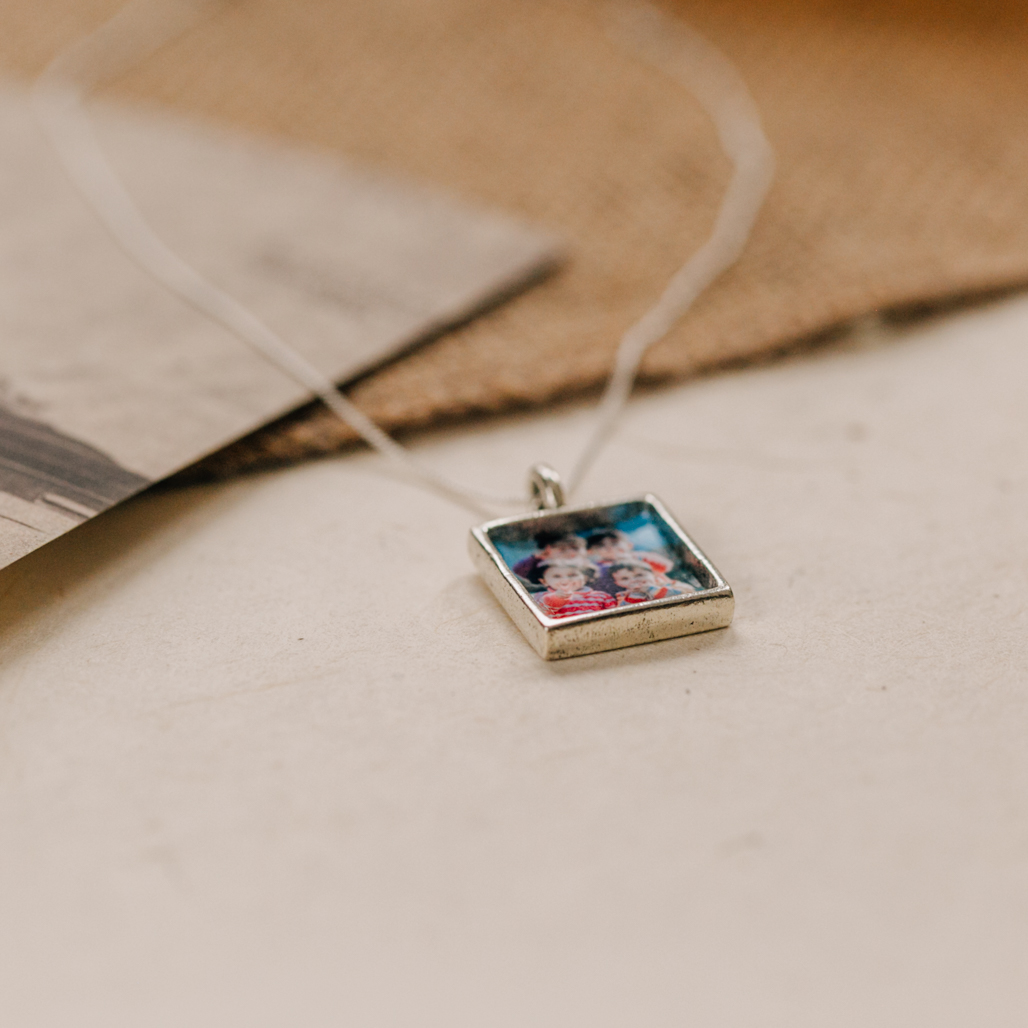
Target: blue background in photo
x=645 y=535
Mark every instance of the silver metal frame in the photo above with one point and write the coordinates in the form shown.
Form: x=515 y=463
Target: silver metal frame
x=555 y=638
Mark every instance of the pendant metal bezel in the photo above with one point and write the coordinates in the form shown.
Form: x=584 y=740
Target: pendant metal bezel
x=555 y=638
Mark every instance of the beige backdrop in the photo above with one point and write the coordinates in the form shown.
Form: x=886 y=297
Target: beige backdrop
x=900 y=130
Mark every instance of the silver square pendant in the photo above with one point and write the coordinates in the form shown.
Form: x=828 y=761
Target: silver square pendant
x=579 y=580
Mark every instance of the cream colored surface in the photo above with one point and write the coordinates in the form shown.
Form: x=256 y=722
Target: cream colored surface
x=271 y=755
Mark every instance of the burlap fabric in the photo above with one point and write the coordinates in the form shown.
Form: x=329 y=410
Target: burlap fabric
x=900 y=129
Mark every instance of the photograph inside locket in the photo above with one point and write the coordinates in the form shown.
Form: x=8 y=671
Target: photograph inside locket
x=586 y=562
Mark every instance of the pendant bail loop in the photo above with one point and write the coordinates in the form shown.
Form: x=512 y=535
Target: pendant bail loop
x=545 y=487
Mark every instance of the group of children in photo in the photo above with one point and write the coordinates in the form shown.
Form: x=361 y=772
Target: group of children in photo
x=573 y=574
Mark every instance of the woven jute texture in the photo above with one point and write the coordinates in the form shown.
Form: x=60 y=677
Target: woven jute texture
x=899 y=125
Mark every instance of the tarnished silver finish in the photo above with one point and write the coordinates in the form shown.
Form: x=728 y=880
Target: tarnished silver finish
x=553 y=638
x=545 y=487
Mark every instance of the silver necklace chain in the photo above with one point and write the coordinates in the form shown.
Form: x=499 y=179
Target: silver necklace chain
x=143 y=26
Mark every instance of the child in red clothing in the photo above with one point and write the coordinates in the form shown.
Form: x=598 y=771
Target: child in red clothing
x=568 y=589
x=610 y=545
x=637 y=583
